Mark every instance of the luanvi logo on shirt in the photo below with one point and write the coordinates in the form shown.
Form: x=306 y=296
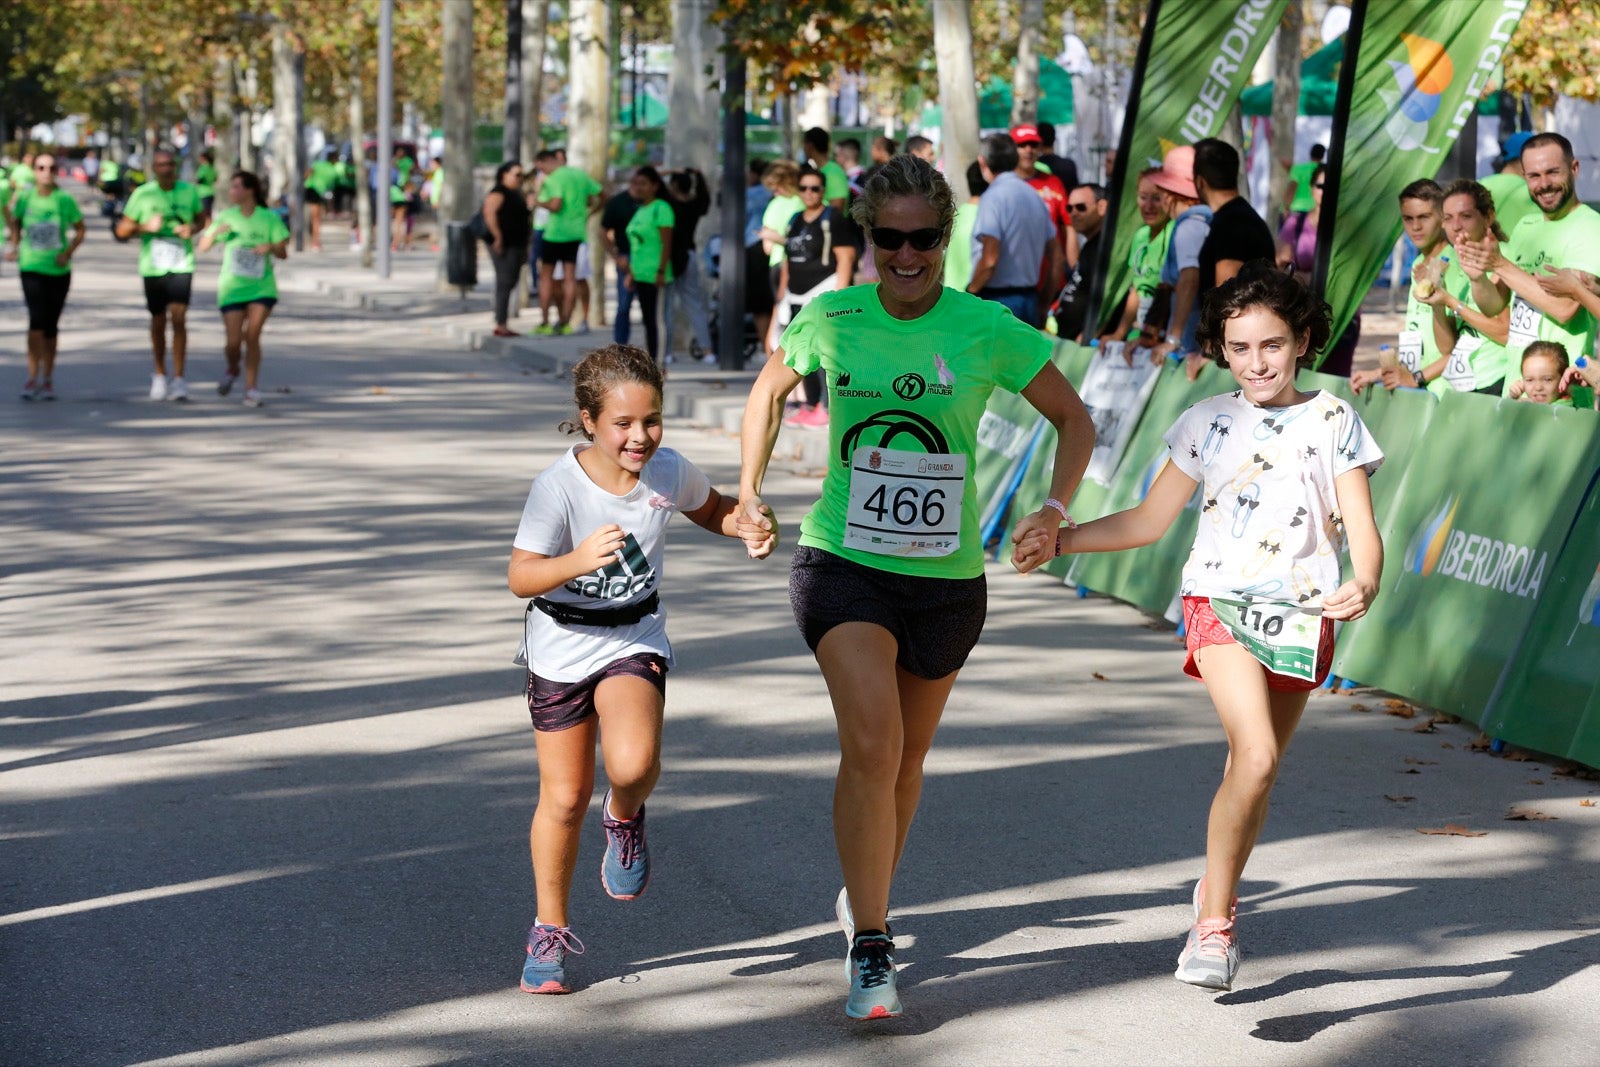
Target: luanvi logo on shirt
x=845 y=311
x=620 y=579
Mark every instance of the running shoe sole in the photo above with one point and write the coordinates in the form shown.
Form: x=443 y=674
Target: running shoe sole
x=550 y=987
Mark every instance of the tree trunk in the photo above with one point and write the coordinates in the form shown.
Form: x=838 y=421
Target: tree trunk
x=1285 y=108
x=691 y=100
x=958 y=91
x=358 y=138
x=589 y=107
x=288 y=131
x=511 y=138
x=223 y=103
x=460 y=198
x=535 y=24
x=1025 y=82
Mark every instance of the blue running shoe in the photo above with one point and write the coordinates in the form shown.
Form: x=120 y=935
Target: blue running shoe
x=625 y=868
x=872 y=978
x=546 y=968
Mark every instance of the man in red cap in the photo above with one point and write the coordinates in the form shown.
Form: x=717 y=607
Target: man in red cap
x=1029 y=148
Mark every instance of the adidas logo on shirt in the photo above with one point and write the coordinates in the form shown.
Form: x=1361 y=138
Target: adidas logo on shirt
x=620 y=579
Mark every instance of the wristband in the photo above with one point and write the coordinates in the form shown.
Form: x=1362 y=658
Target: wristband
x=1052 y=502
x=1422 y=383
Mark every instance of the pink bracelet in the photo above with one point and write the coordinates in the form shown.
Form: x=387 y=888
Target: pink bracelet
x=1052 y=502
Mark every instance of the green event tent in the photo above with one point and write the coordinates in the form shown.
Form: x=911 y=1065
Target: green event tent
x=1319 y=84
x=994 y=100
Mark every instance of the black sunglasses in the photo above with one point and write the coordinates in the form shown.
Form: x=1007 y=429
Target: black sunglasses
x=1317 y=185
x=1078 y=209
x=923 y=240
x=811 y=188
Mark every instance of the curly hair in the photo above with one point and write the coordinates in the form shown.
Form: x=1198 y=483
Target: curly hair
x=1261 y=285
x=603 y=370
x=905 y=176
x=1482 y=200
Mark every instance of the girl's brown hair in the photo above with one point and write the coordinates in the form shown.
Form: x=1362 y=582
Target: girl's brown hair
x=603 y=370
x=1260 y=284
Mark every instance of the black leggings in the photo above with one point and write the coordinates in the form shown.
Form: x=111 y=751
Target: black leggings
x=45 y=295
x=507 y=268
x=650 y=311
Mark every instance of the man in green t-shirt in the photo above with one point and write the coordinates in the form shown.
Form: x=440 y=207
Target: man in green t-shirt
x=319 y=182
x=1299 y=191
x=835 y=182
x=1145 y=259
x=1565 y=234
x=166 y=214
x=571 y=196
x=1422 y=220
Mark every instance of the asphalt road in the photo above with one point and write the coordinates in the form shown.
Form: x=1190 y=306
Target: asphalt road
x=265 y=775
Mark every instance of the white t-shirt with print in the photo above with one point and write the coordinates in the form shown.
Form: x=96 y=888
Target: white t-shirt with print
x=1269 y=519
x=564 y=507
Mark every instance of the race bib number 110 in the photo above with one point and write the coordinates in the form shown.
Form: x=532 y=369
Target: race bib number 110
x=905 y=503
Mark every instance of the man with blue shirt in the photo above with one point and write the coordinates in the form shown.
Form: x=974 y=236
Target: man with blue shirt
x=1012 y=237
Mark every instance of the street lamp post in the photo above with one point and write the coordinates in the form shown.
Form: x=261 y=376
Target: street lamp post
x=382 y=164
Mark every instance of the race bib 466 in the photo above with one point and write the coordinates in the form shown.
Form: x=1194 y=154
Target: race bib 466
x=905 y=503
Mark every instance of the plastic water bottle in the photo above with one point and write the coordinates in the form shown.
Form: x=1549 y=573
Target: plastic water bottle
x=1582 y=395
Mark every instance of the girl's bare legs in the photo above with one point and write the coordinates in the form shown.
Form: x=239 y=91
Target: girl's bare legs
x=1259 y=724
x=257 y=318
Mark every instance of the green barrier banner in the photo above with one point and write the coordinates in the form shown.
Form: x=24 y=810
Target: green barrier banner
x=1008 y=430
x=1550 y=698
x=1398 y=421
x=1469 y=546
x=1420 y=68
x=1197 y=58
x=1149 y=577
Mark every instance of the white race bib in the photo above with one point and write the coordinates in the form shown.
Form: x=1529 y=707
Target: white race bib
x=166 y=253
x=905 y=503
x=1525 y=319
x=248 y=264
x=1458 y=372
x=1411 y=350
x=44 y=236
x=1282 y=637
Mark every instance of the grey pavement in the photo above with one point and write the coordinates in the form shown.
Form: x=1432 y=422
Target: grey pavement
x=265 y=775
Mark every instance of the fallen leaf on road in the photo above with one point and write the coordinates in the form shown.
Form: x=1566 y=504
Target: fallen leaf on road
x=1527 y=815
x=1397 y=799
x=1516 y=755
x=1446 y=744
x=1575 y=771
x=1452 y=830
x=1422 y=762
x=1099 y=677
x=1424 y=728
x=1359 y=707
x=1399 y=708
x=1585 y=803
x=378 y=390
x=1536 y=781
x=1480 y=743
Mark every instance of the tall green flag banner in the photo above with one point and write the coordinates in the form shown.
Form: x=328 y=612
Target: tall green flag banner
x=1195 y=58
x=1549 y=700
x=1469 y=549
x=1419 y=69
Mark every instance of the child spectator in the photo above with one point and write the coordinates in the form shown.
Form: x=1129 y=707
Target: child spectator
x=1544 y=365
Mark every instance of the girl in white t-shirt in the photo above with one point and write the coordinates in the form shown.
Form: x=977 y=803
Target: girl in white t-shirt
x=589 y=552
x=1282 y=476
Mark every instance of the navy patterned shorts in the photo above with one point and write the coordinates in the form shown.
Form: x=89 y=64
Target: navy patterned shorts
x=563 y=705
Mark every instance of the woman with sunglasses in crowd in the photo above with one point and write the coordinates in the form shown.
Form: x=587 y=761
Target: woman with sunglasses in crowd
x=887 y=581
x=819 y=256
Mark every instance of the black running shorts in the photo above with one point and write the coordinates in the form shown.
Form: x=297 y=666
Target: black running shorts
x=167 y=289
x=936 y=621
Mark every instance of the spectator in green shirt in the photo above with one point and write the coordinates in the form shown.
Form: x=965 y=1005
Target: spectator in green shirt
x=1299 y=192
x=836 y=184
x=570 y=195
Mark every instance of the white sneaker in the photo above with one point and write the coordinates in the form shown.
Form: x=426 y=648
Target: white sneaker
x=582 y=327
x=1210 y=958
x=158 y=387
x=847 y=919
x=709 y=357
x=178 y=389
x=252 y=398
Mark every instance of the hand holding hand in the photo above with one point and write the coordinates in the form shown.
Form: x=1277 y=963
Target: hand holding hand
x=757 y=527
x=1035 y=539
x=1350 y=601
x=600 y=548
